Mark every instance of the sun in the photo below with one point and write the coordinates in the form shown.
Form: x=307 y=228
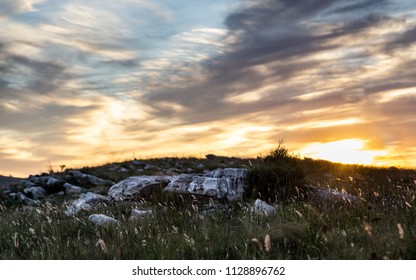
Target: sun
x=350 y=151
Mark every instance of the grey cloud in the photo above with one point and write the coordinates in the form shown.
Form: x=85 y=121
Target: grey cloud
x=405 y=39
x=271 y=32
x=45 y=119
x=360 y=5
x=11 y=7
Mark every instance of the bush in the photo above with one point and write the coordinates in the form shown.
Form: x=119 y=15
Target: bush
x=278 y=177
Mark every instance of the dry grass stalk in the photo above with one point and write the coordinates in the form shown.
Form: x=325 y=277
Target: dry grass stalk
x=256 y=242
x=102 y=245
x=368 y=229
x=267 y=243
x=401 y=231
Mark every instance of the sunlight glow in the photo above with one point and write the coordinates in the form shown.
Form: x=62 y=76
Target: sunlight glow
x=350 y=151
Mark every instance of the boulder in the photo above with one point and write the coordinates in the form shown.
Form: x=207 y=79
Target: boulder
x=332 y=195
x=35 y=192
x=72 y=189
x=138 y=214
x=28 y=201
x=102 y=220
x=88 y=201
x=228 y=183
x=137 y=186
x=262 y=208
x=82 y=179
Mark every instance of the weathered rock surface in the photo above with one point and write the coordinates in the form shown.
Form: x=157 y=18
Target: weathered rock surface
x=102 y=220
x=88 y=201
x=228 y=183
x=262 y=208
x=137 y=186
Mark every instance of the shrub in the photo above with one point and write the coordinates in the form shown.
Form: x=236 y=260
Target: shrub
x=278 y=177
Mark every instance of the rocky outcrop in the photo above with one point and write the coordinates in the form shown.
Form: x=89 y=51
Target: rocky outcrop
x=227 y=183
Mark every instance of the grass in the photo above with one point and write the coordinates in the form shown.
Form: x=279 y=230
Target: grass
x=380 y=226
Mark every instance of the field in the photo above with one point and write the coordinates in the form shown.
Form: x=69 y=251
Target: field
x=381 y=224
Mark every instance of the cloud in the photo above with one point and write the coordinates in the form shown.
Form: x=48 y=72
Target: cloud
x=284 y=57
x=12 y=7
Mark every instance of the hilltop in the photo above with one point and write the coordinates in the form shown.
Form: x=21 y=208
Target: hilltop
x=212 y=208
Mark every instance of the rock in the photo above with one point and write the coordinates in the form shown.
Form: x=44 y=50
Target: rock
x=71 y=189
x=138 y=214
x=35 y=192
x=87 y=201
x=29 y=202
x=82 y=179
x=193 y=184
x=200 y=166
x=332 y=195
x=102 y=220
x=228 y=183
x=262 y=208
x=137 y=186
x=54 y=185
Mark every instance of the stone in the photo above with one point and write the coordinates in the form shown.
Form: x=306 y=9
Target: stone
x=262 y=208
x=136 y=214
x=137 y=186
x=72 y=189
x=228 y=183
x=87 y=201
x=332 y=195
x=35 y=192
x=192 y=184
x=82 y=179
x=102 y=220
x=28 y=201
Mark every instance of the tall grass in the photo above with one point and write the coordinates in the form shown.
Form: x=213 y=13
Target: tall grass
x=381 y=225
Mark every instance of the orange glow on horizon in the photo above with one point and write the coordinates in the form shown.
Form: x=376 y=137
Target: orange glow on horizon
x=348 y=151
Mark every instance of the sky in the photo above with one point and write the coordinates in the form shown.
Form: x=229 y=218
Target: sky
x=91 y=82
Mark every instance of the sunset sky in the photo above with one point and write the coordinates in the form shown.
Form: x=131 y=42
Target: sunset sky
x=91 y=82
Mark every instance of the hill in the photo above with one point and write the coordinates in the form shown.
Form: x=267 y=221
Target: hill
x=273 y=207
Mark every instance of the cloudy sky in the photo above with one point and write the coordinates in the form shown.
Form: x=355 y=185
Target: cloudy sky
x=89 y=82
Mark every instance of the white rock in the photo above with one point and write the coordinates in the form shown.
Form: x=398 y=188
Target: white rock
x=87 y=202
x=333 y=195
x=71 y=189
x=262 y=208
x=26 y=200
x=101 y=220
x=228 y=183
x=36 y=192
x=136 y=185
x=137 y=214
